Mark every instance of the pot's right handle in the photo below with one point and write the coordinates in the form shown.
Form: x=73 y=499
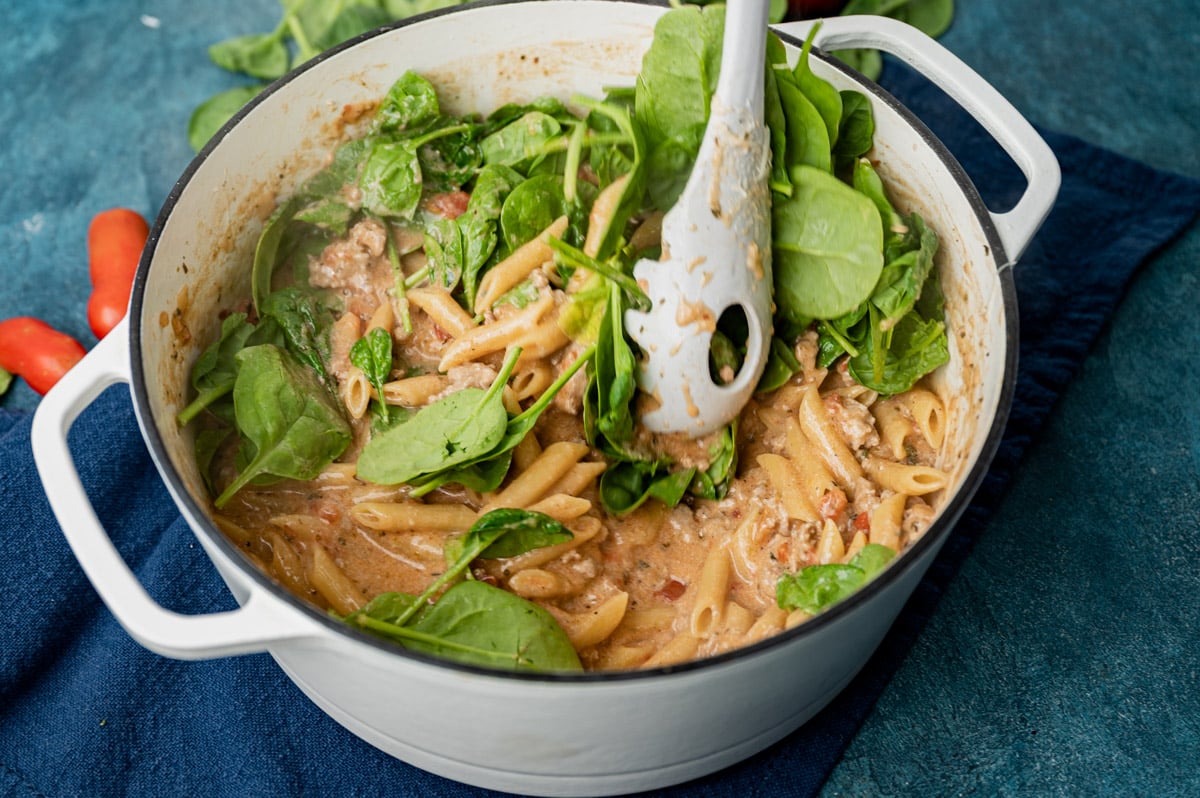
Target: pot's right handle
x=1015 y=135
x=260 y=621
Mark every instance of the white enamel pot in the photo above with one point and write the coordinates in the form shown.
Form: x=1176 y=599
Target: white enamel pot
x=588 y=734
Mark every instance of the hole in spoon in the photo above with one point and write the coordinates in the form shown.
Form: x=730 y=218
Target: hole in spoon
x=728 y=349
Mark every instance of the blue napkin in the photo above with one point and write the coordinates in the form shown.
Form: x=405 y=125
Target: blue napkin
x=85 y=711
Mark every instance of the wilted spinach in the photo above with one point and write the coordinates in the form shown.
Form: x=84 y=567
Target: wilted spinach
x=472 y=621
x=818 y=587
x=290 y=419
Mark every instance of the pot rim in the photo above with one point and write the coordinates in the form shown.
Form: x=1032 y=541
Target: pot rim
x=907 y=559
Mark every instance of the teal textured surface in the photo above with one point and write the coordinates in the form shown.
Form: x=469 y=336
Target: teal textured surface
x=1062 y=658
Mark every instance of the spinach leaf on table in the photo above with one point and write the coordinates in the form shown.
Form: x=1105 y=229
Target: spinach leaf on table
x=293 y=423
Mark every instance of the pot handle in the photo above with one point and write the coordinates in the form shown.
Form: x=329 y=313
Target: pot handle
x=1012 y=131
x=248 y=629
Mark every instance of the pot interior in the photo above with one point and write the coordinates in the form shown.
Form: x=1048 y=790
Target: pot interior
x=196 y=265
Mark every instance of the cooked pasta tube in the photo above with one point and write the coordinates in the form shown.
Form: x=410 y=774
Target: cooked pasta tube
x=532 y=379
x=286 y=565
x=442 y=308
x=712 y=592
x=830 y=546
x=494 y=336
x=411 y=516
x=621 y=657
x=914 y=480
x=581 y=476
x=928 y=414
x=586 y=629
x=886 y=520
x=538 y=583
x=856 y=545
x=601 y=214
x=331 y=582
x=414 y=391
x=355 y=392
x=819 y=428
x=679 y=648
x=893 y=426
x=517 y=266
x=789 y=485
x=767 y=624
x=543 y=340
x=815 y=478
x=562 y=507
x=738 y=619
x=583 y=529
x=531 y=484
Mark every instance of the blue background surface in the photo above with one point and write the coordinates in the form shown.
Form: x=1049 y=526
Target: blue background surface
x=1063 y=658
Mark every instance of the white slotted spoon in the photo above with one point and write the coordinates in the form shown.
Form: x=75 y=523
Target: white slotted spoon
x=716 y=249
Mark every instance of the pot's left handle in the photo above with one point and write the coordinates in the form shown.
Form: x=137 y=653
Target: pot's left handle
x=252 y=627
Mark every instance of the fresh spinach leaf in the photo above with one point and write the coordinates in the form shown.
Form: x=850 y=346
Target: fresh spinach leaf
x=391 y=179
x=410 y=104
x=828 y=242
x=212 y=114
x=626 y=484
x=266 y=253
x=522 y=142
x=509 y=532
x=444 y=252
x=464 y=426
x=818 y=587
x=807 y=136
x=824 y=97
x=478 y=624
x=260 y=55
x=530 y=208
x=215 y=370
x=305 y=318
x=856 y=132
x=674 y=88
x=478 y=225
x=293 y=423
x=373 y=355
x=781 y=365
x=494 y=463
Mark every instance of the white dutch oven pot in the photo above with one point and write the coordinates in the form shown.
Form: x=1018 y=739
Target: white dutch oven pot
x=557 y=735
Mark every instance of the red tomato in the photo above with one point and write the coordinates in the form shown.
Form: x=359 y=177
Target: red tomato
x=32 y=349
x=116 y=238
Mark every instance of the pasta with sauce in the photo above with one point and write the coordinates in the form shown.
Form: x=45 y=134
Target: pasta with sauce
x=460 y=355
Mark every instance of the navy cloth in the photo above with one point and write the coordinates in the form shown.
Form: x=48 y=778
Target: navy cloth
x=85 y=711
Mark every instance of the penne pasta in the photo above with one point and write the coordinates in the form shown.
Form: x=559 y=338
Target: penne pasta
x=712 y=592
x=332 y=583
x=886 y=520
x=928 y=414
x=495 y=336
x=442 y=308
x=410 y=516
x=587 y=629
x=519 y=265
x=533 y=483
x=913 y=480
x=414 y=391
x=789 y=485
x=827 y=441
